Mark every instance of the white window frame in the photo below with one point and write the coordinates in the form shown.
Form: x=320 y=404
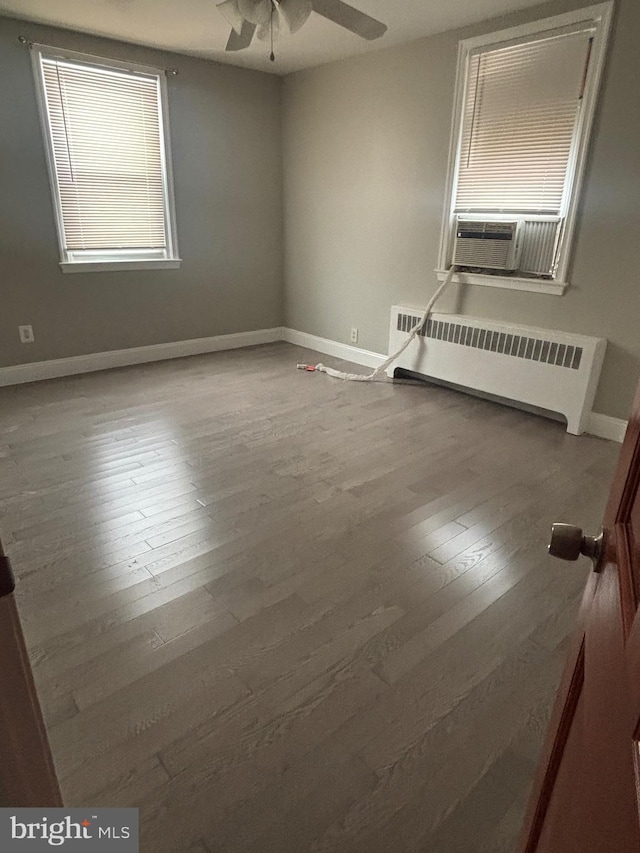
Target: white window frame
x=105 y=260
x=600 y=16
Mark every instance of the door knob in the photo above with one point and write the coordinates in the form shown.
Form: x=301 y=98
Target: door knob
x=568 y=542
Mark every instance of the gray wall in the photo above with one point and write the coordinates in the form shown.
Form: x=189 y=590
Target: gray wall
x=225 y=128
x=366 y=146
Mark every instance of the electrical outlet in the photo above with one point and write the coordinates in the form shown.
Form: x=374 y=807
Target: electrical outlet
x=354 y=335
x=26 y=334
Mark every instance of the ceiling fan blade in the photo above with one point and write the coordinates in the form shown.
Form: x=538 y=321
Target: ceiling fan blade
x=257 y=11
x=295 y=13
x=265 y=33
x=239 y=42
x=351 y=19
x=229 y=9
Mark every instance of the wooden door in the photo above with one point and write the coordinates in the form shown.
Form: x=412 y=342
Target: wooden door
x=27 y=774
x=586 y=795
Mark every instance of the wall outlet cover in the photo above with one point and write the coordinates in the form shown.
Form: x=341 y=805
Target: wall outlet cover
x=26 y=334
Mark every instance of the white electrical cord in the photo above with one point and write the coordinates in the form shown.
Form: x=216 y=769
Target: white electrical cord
x=372 y=377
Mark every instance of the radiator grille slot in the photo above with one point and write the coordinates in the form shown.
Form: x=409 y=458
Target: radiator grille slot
x=516 y=346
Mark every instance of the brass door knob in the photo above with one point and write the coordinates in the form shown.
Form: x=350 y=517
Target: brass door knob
x=568 y=542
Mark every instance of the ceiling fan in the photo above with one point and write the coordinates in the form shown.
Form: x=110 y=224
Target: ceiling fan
x=264 y=18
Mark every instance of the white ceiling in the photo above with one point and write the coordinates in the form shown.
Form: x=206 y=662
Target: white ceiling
x=196 y=27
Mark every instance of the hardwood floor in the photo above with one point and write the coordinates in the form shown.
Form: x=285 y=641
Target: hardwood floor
x=282 y=613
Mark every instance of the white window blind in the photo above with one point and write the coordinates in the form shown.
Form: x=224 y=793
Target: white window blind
x=107 y=149
x=519 y=121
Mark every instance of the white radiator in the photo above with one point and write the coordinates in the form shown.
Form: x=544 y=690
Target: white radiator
x=551 y=370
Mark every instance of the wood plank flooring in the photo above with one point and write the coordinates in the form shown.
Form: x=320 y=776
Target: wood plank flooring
x=282 y=613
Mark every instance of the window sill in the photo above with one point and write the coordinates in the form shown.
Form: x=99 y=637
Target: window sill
x=529 y=285
x=119 y=266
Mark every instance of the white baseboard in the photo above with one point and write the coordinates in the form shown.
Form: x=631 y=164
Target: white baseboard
x=605 y=426
x=335 y=348
x=38 y=370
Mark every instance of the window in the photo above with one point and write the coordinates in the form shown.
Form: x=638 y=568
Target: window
x=105 y=128
x=525 y=103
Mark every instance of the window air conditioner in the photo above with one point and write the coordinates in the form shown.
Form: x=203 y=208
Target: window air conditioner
x=486 y=244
